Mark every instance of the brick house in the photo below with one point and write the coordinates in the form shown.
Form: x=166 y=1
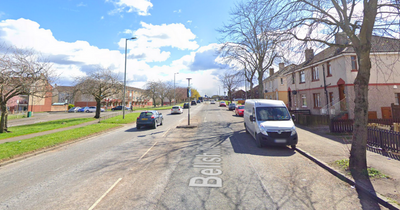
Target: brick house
x=275 y=85
x=323 y=83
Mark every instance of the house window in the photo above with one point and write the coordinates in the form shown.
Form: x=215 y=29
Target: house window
x=293 y=78
x=281 y=81
x=353 y=63
x=302 y=77
x=314 y=71
x=397 y=98
x=303 y=100
x=328 y=69
x=317 y=102
x=331 y=98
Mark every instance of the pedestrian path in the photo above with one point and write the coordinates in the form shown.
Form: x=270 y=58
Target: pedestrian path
x=329 y=148
x=28 y=136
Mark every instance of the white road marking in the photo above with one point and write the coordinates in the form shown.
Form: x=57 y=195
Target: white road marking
x=148 y=151
x=205 y=119
x=166 y=133
x=104 y=195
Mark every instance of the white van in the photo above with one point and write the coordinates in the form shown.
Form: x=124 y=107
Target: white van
x=269 y=122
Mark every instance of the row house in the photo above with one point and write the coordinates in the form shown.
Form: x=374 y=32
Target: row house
x=275 y=86
x=134 y=97
x=324 y=83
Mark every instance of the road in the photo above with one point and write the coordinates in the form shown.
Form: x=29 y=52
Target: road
x=214 y=166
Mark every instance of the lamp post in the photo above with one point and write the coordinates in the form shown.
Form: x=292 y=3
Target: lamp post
x=123 y=97
x=189 y=95
x=174 y=88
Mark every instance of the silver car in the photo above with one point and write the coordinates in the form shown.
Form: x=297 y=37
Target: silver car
x=176 y=110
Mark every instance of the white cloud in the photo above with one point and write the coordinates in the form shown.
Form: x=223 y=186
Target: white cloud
x=140 y=6
x=72 y=59
x=150 y=38
x=81 y=5
x=177 y=11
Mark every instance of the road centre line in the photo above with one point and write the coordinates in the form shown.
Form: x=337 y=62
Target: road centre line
x=148 y=150
x=104 y=195
x=166 y=133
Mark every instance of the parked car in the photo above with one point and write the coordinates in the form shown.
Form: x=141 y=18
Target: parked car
x=239 y=110
x=176 y=110
x=193 y=103
x=149 y=118
x=119 y=108
x=232 y=106
x=269 y=122
x=186 y=105
x=74 y=109
x=198 y=101
x=89 y=109
x=212 y=102
x=83 y=109
x=222 y=103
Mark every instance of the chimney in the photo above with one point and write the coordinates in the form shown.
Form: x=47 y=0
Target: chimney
x=281 y=66
x=309 y=54
x=271 y=71
x=341 y=38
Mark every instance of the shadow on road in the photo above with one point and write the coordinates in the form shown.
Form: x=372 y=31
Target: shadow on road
x=244 y=143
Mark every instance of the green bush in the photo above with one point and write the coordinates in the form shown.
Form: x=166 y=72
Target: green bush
x=70 y=106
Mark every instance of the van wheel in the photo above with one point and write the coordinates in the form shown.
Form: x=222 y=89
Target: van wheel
x=161 y=122
x=155 y=125
x=138 y=127
x=258 y=141
x=293 y=147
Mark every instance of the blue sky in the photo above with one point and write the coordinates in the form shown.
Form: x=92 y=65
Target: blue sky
x=78 y=36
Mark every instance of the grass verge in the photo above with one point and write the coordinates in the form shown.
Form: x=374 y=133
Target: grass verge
x=158 y=108
x=372 y=172
x=129 y=118
x=9 y=150
x=43 y=126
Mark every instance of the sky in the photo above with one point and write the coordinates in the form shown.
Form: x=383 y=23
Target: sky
x=175 y=38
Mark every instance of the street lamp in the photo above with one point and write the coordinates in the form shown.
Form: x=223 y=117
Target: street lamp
x=174 y=88
x=123 y=97
x=189 y=95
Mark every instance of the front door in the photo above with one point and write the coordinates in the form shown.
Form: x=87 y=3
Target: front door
x=386 y=113
x=342 y=98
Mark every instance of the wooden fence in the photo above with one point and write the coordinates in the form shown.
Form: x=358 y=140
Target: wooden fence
x=384 y=139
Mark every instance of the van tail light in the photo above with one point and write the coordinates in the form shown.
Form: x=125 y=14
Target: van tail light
x=152 y=117
x=138 y=117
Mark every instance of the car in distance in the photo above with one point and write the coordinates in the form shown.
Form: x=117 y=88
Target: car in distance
x=239 y=110
x=186 y=105
x=212 y=102
x=74 y=109
x=176 y=110
x=119 y=108
x=193 y=103
x=232 y=106
x=198 y=101
x=222 y=103
x=149 y=118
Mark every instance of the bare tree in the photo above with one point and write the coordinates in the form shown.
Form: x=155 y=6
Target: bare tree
x=249 y=40
x=152 y=91
x=100 y=84
x=358 y=20
x=22 y=72
x=163 y=91
x=231 y=81
x=170 y=91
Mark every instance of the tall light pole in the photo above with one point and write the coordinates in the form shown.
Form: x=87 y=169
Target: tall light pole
x=189 y=95
x=174 y=87
x=123 y=97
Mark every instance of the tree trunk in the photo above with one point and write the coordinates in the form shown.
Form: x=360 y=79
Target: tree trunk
x=4 y=115
x=260 y=85
x=358 y=153
x=98 y=104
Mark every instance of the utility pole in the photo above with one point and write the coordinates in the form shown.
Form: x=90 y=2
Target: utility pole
x=189 y=95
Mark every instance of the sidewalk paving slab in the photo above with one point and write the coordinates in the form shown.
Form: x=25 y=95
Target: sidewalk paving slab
x=328 y=148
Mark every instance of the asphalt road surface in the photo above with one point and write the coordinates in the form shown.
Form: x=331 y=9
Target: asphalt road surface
x=214 y=166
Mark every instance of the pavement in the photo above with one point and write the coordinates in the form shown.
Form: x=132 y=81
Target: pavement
x=324 y=148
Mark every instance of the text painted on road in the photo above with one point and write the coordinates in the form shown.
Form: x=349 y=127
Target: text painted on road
x=210 y=168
